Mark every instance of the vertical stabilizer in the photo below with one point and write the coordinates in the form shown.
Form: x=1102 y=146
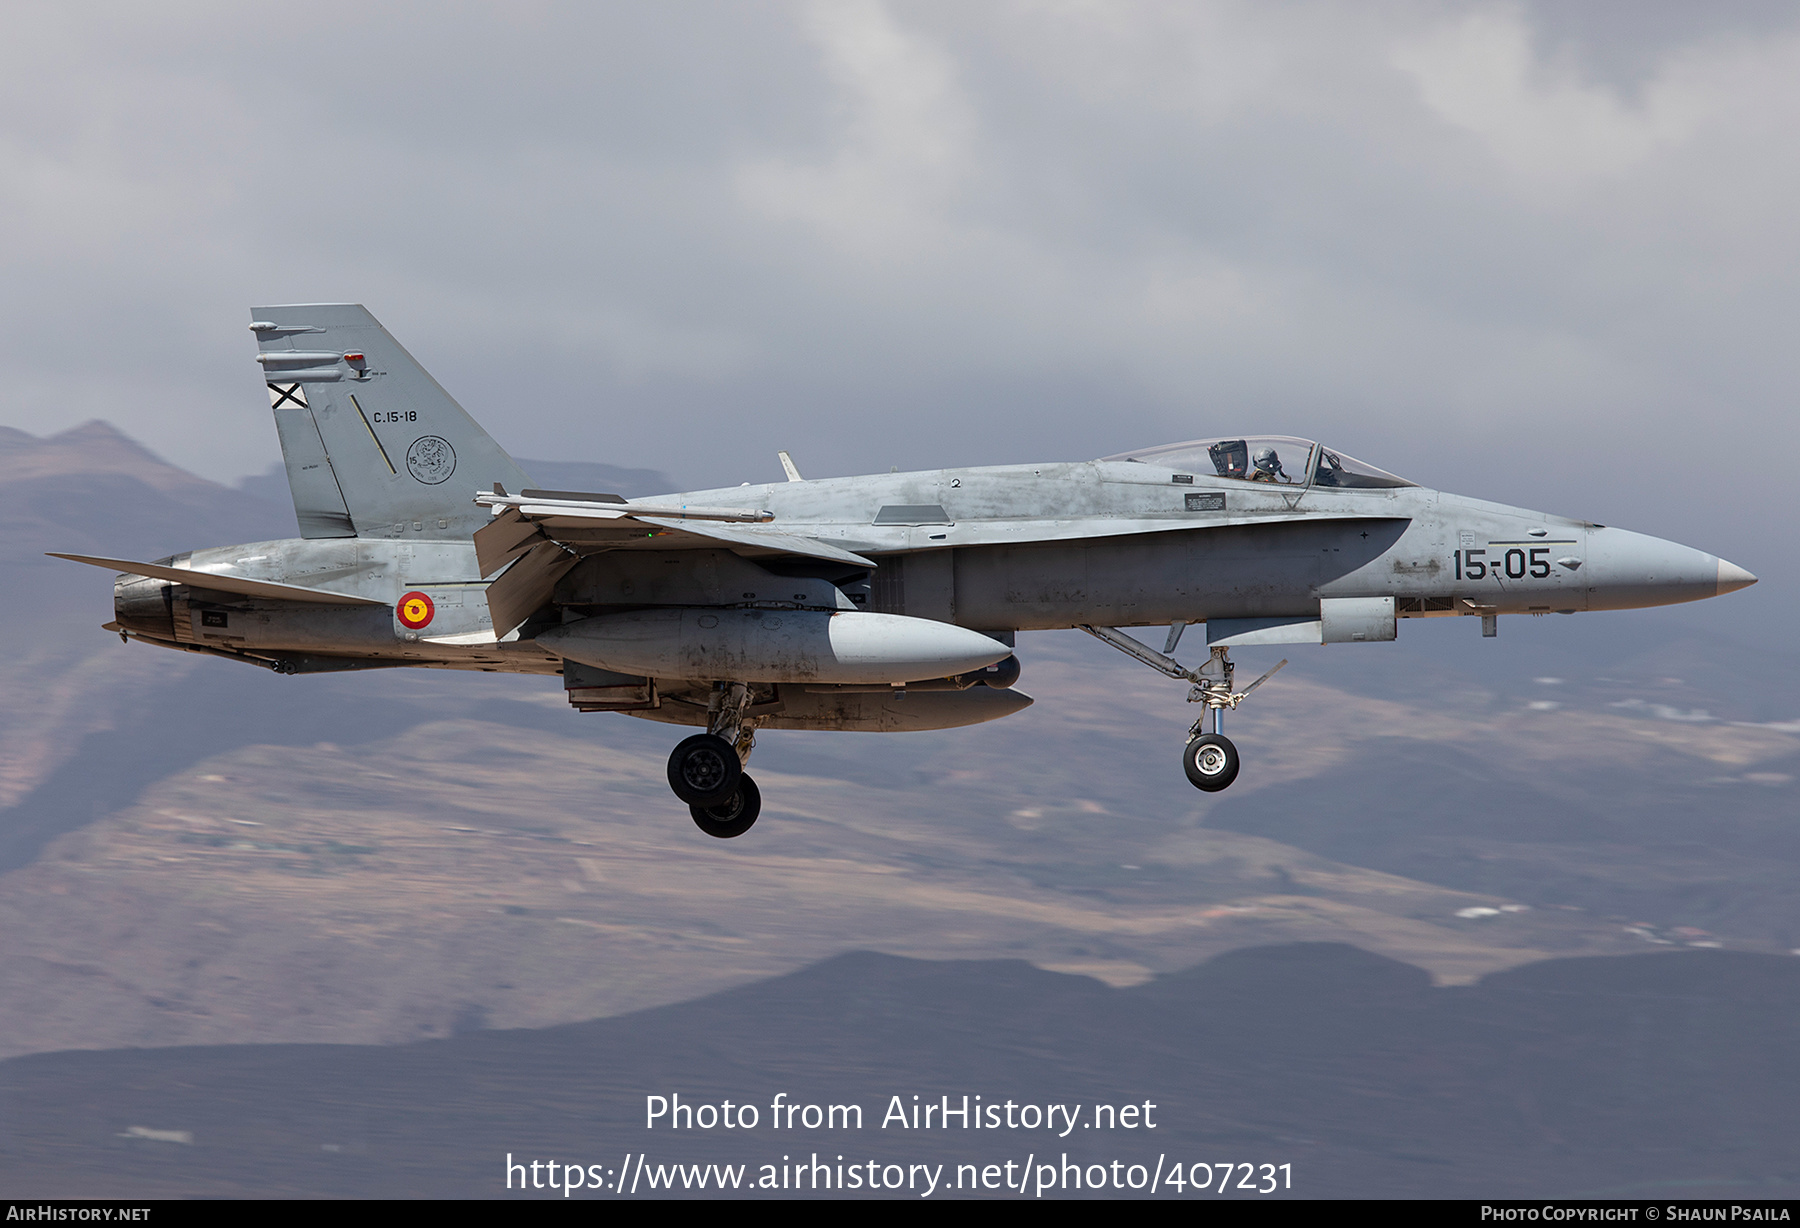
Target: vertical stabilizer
x=318 y=503
x=374 y=446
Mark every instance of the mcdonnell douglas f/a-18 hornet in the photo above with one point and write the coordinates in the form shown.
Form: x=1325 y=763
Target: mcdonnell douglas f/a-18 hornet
x=879 y=603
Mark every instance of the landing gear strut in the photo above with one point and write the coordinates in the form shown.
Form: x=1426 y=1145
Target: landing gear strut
x=707 y=770
x=1210 y=759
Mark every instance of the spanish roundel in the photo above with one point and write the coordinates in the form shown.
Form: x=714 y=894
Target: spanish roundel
x=416 y=610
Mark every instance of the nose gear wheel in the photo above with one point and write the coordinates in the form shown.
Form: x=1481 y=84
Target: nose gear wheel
x=1211 y=761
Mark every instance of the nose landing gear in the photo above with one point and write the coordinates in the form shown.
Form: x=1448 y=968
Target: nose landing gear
x=707 y=770
x=1211 y=762
x=1210 y=759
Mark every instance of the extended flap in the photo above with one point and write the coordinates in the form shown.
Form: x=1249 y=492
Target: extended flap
x=527 y=585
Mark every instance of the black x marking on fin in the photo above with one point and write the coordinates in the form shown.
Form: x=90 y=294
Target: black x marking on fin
x=287 y=394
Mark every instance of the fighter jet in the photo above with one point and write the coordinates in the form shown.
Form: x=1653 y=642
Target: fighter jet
x=880 y=603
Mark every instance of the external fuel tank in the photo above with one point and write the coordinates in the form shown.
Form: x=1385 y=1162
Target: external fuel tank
x=844 y=646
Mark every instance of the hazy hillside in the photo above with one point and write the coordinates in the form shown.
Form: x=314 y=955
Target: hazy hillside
x=1641 y=1077
x=89 y=490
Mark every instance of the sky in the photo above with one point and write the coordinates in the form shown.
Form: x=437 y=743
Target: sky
x=1538 y=253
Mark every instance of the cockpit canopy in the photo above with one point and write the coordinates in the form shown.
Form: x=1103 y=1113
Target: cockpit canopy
x=1279 y=459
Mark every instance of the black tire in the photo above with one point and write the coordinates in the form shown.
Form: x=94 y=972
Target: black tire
x=1211 y=762
x=704 y=770
x=734 y=816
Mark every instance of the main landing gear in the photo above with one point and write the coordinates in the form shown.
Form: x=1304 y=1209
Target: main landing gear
x=1210 y=759
x=707 y=770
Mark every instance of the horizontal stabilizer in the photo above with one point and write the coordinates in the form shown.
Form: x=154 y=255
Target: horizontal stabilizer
x=221 y=583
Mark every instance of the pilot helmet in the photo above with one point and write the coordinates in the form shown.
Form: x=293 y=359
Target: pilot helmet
x=1266 y=461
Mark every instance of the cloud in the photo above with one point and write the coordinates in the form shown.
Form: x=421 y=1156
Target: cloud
x=1498 y=247
x=906 y=146
x=1551 y=130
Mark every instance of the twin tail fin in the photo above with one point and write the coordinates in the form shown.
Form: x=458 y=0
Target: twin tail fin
x=374 y=446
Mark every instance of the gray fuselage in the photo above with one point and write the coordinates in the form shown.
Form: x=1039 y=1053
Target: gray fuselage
x=1005 y=548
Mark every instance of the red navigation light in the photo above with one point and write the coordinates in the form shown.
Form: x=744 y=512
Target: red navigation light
x=353 y=358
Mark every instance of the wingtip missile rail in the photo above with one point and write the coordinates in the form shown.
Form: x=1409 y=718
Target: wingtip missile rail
x=606 y=510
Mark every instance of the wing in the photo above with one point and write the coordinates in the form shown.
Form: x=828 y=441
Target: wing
x=543 y=538
x=222 y=584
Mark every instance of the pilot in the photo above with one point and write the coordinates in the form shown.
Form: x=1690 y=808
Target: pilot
x=1266 y=466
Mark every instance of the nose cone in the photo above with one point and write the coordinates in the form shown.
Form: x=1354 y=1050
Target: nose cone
x=924 y=648
x=1631 y=570
x=1732 y=578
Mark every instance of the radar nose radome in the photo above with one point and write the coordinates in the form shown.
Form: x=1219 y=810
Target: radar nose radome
x=1632 y=571
x=1732 y=578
